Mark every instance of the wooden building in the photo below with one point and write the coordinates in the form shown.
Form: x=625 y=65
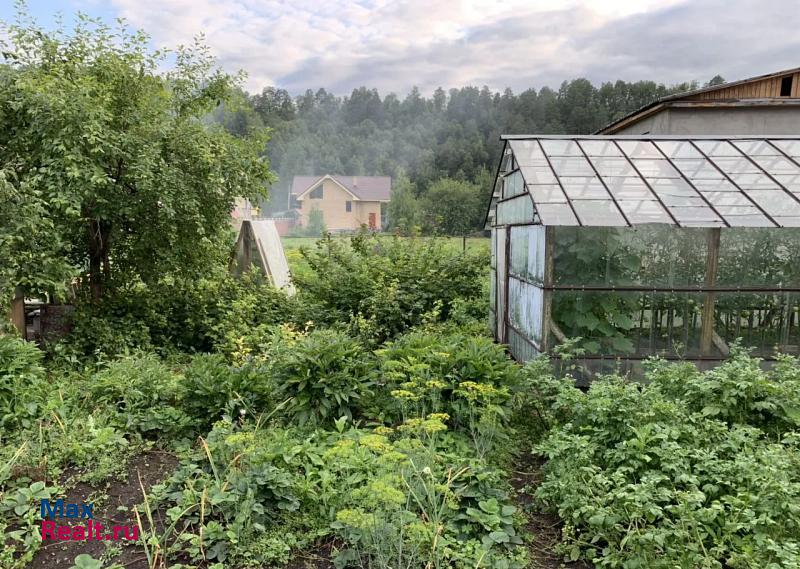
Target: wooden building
x=767 y=104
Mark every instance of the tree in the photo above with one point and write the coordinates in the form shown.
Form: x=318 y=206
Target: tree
x=715 y=80
x=315 y=227
x=114 y=158
x=403 y=212
x=453 y=207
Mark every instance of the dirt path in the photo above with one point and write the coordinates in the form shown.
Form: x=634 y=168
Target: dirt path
x=116 y=508
x=544 y=528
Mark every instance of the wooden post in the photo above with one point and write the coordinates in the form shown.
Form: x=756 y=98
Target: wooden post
x=247 y=246
x=547 y=294
x=18 y=312
x=712 y=261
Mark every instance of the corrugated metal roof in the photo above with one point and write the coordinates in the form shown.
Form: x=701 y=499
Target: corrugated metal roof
x=367 y=188
x=708 y=181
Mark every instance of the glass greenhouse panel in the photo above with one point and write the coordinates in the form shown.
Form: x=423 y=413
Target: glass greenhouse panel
x=526 y=152
x=538 y=173
x=647 y=255
x=513 y=184
x=516 y=210
x=520 y=346
x=528 y=252
x=556 y=214
x=493 y=241
x=584 y=188
x=561 y=147
x=755 y=257
x=525 y=308
x=601 y=148
x=493 y=288
x=545 y=194
x=631 y=323
x=756 y=147
x=764 y=322
x=639 y=149
x=789 y=147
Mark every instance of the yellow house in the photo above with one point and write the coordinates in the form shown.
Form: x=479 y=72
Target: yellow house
x=346 y=202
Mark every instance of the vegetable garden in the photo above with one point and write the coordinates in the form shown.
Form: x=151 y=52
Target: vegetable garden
x=369 y=421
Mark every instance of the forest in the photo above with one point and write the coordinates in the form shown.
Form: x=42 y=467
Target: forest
x=420 y=140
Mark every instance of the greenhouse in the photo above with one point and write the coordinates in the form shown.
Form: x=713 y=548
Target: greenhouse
x=646 y=245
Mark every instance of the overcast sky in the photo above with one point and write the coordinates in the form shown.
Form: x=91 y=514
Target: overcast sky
x=341 y=44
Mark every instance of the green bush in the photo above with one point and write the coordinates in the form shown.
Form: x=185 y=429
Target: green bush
x=144 y=394
x=22 y=384
x=182 y=316
x=323 y=374
x=689 y=469
x=211 y=388
x=386 y=285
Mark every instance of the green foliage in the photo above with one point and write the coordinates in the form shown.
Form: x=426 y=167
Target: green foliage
x=404 y=214
x=386 y=285
x=211 y=388
x=390 y=497
x=30 y=246
x=687 y=470
x=315 y=226
x=144 y=392
x=454 y=207
x=109 y=159
x=21 y=382
x=471 y=379
x=215 y=312
x=323 y=374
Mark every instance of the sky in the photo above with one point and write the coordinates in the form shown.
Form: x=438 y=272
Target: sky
x=394 y=45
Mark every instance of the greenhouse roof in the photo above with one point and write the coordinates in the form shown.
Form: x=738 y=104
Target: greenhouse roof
x=704 y=181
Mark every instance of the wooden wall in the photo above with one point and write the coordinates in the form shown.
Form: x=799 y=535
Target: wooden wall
x=762 y=89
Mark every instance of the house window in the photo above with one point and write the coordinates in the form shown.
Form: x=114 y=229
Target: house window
x=348 y=206
x=786 y=86
x=316 y=193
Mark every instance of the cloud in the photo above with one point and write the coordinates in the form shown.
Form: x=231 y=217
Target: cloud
x=393 y=45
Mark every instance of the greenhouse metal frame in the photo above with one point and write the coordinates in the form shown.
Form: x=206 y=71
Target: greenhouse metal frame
x=681 y=247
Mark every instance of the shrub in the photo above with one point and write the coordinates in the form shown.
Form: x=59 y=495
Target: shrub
x=143 y=392
x=386 y=285
x=183 y=316
x=324 y=374
x=471 y=379
x=211 y=388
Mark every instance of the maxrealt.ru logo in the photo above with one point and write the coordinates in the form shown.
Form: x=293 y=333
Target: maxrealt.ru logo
x=77 y=512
